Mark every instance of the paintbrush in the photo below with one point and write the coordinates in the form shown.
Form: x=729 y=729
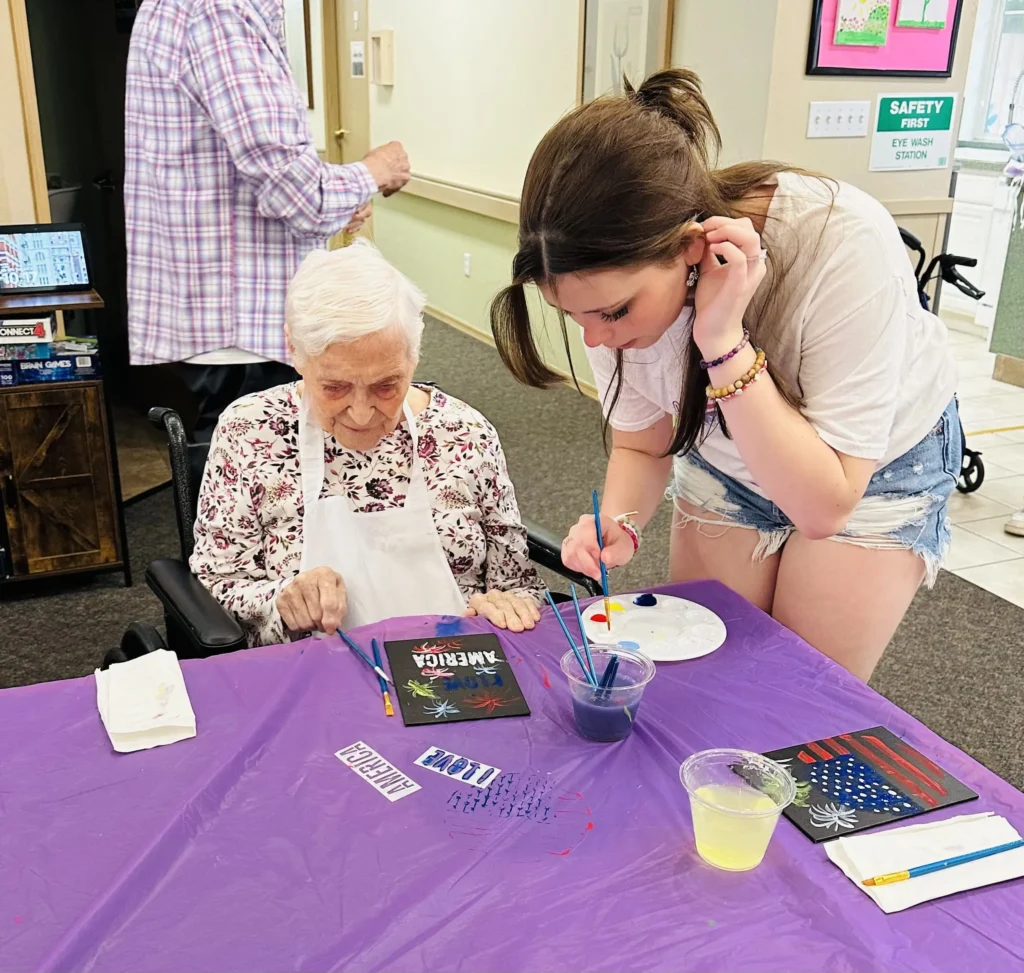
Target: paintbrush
x=362 y=655
x=389 y=710
x=600 y=560
x=561 y=621
x=938 y=866
x=583 y=631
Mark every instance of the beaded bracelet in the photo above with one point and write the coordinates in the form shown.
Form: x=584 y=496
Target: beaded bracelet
x=736 y=388
x=729 y=354
x=739 y=390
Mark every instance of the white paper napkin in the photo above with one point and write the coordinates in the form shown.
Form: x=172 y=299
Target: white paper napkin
x=869 y=855
x=144 y=703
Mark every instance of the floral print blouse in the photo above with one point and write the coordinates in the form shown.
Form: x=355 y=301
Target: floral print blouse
x=248 y=528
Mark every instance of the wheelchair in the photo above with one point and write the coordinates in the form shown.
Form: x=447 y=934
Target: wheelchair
x=195 y=623
x=972 y=469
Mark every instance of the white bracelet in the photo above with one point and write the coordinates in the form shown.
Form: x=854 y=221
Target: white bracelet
x=625 y=521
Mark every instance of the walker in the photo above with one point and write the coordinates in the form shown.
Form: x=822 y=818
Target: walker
x=972 y=470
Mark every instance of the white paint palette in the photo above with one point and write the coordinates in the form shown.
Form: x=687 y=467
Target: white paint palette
x=662 y=627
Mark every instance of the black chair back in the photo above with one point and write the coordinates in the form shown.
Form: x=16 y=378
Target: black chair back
x=188 y=460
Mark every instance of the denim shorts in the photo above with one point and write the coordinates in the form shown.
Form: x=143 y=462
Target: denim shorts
x=905 y=506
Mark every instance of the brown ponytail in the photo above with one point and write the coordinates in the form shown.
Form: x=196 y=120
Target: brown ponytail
x=619 y=182
x=676 y=94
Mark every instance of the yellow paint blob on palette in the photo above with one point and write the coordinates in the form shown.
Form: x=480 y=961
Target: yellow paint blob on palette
x=615 y=606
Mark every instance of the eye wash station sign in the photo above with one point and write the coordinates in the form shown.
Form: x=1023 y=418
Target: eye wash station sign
x=913 y=132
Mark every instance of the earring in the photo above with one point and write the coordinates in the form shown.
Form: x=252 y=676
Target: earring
x=691 y=277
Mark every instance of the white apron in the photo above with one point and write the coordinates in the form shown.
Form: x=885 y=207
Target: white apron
x=391 y=561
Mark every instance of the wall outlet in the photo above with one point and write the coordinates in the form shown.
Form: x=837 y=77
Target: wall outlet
x=838 y=119
x=466 y=264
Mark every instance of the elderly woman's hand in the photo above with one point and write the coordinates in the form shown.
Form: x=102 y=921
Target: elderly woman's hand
x=360 y=216
x=314 y=601
x=505 y=610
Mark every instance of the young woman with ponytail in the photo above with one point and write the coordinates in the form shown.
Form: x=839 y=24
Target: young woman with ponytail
x=756 y=337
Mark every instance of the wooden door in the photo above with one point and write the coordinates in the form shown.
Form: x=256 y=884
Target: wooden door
x=347 y=98
x=56 y=478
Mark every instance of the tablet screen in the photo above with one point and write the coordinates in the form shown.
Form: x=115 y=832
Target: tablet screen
x=42 y=260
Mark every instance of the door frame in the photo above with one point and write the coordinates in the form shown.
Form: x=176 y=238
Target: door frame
x=346 y=99
x=29 y=109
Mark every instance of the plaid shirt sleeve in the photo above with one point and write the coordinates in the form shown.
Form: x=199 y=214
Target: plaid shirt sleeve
x=246 y=89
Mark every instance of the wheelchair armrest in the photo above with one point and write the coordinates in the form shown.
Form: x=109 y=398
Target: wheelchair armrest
x=209 y=628
x=546 y=550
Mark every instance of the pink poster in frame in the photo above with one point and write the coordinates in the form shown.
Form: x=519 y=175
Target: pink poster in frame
x=907 y=52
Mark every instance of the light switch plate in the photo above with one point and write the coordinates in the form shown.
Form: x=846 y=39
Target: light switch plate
x=838 y=119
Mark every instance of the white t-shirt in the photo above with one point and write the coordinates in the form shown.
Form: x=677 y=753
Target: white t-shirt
x=226 y=356
x=873 y=367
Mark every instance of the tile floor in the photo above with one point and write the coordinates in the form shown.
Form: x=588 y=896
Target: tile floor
x=993 y=419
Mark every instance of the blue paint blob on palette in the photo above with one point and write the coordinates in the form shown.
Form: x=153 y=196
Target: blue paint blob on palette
x=625 y=644
x=646 y=600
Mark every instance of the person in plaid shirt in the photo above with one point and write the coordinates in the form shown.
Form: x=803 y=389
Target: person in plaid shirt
x=224 y=194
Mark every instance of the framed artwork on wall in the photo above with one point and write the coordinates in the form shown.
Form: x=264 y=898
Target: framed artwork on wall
x=890 y=38
x=623 y=38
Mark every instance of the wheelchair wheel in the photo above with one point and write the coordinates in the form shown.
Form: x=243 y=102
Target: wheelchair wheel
x=138 y=639
x=972 y=472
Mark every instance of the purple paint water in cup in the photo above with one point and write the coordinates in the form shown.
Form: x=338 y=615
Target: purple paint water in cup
x=607 y=715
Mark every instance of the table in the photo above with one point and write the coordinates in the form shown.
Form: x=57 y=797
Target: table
x=253 y=848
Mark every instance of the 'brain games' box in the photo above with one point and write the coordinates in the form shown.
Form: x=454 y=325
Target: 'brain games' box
x=62 y=368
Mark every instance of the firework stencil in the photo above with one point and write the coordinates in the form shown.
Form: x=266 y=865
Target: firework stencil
x=454 y=678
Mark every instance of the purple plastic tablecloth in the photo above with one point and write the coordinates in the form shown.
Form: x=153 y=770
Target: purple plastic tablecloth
x=253 y=848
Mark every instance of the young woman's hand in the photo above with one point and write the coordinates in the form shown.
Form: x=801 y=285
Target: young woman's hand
x=314 y=601
x=580 y=551
x=505 y=610
x=725 y=290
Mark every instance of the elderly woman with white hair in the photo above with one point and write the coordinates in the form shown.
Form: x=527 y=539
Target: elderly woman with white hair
x=355 y=494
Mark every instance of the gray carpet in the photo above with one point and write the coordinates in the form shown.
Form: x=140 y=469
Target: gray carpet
x=955 y=663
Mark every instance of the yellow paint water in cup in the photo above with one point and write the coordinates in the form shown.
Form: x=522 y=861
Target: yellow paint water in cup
x=736 y=798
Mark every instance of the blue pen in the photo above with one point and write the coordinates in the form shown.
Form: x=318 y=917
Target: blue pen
x=940 y=865
x=604 y=569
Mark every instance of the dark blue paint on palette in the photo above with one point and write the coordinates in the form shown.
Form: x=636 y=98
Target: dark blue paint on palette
x=645 y=600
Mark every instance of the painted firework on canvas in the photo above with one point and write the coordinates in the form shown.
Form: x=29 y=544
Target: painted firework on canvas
x=862 y=23
x=446 y=680
x=854 y=781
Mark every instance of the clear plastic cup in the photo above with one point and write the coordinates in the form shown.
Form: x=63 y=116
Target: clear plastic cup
x=736 y=798
x=607 y=715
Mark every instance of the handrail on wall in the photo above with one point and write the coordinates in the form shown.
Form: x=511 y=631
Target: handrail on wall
x=500 y=206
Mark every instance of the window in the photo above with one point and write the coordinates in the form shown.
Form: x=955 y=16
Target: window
x=997 y=60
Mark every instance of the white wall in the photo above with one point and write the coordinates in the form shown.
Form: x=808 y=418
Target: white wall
x=714 y=37
x=477 y=84
x=294 y=27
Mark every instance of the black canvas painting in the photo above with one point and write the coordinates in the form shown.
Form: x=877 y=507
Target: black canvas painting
x=446 y=680
x=854 y=781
